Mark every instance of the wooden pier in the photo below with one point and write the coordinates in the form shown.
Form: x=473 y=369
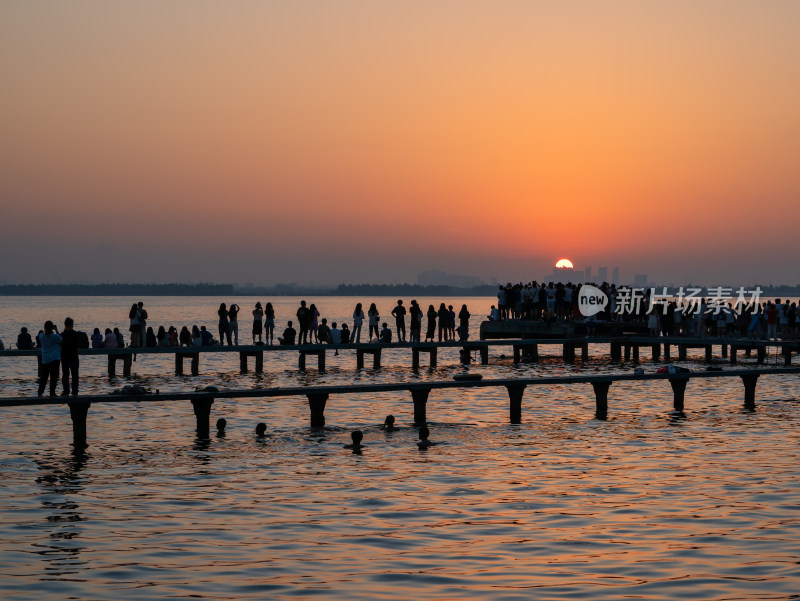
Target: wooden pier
x=620 y=348
x=318 y=395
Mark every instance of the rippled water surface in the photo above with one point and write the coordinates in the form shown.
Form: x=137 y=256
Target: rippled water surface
x=646 y=505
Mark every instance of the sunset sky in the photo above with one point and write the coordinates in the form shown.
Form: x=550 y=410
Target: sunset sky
x=363 y=141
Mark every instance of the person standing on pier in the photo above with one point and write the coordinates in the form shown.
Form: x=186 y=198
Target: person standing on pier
x=416 y=321
x=70 y=342
x=233 y=323
x=135 y=325
x=358 y=319
x=374 y=317
x=431 y=331
x=463 y=326
x=224 y=325
x=258 y=319
x=303 y=321
x=451 y=321
x=269 y=324
x=50 y=342
x=444 y=322
x=399 y=313
x=313 y=323
x=142 y=322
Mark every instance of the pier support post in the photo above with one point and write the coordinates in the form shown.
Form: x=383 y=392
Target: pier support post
x=259 y=362
x=127 y=364
x=734 y=349
x=750 y=382
x=465 y=356
x=420 y=397
x=301 y=362
x=616 y=351
x=678 y=392
x=584 y=352
x=724 y=351
x=414 y=359
x=709 y=354
x=484 y=354
x=667 y=349
x=359 y=359
x=656 y=352
x=515 y=392
x=202 y=412
x=517 y=353
x=78 y=412
x=242 y=362
x=762 y=354
x=601 y=399
x=636 y=354
x=112 y=366
x=376 y=359
x=627 y=352
x=681 y=352
x=179 y=357
x=321 y=360
x=316 y=404
x=787 y=355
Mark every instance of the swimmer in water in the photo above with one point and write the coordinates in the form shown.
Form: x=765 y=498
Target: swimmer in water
x=357 y=436
x=424 y=443
x=388 y=424
x=221 y=423
x=261 y=428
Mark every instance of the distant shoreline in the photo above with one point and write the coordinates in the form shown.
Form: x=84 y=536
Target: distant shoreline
x=228 y=290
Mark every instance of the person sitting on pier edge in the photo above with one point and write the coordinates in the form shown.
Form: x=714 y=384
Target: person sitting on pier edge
x=110 y=341
x=24 y=340
x=336 y=336
x=2 y=345
x=150 y=338
x=162 y=338
x=221 y=423
x=494 y=314
x=388 y=424
x=323 y=332
x=97 y=338
x=185 y=337
x=416 y=321
x=386 y=334
x=288 y=335
x=399 y=313
x=120 y=338
x=197 y=339
x=50 y=342
x=357 y=436
x=424 y=443
x=70 y=343
x=261 y=429
x=206 y=337
x=172 y=334
x=345 y=334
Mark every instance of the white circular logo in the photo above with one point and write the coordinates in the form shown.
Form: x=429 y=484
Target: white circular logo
x=591 y=300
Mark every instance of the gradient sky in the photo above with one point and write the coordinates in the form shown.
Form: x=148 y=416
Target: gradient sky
x=362 y=141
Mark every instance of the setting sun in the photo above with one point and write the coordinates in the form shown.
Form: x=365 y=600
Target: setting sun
x=564 y=263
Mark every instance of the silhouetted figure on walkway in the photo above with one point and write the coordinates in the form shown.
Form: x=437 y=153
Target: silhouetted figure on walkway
x=358 y=319
x=288 y=335
x=224 y=325
x=269 y=324
x=416 y=321
x=373 y=317
x=399 y=313
x=24 y=340
x=430 y=332
x=444 y=322
x=70 y=343
x=258 y=322
x=303 y=322
x=50 y=342
x=233 y=323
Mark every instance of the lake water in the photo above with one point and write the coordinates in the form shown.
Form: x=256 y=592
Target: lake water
x=647 y=505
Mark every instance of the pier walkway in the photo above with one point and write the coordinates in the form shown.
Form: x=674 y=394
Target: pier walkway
x=318 y=395
x=627 y=348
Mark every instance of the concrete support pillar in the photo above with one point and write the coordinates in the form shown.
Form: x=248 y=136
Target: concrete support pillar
x=601 y=399
x=678 y=392
x=750 y=382
x=78 y=412
x=515 y=393
x=202 y=412
x=316 y=404
x=420 y=397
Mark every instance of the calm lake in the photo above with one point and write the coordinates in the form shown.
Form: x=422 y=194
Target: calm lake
x=646 y=505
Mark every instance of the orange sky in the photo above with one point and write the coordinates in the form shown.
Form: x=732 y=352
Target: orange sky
x=366 y=142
